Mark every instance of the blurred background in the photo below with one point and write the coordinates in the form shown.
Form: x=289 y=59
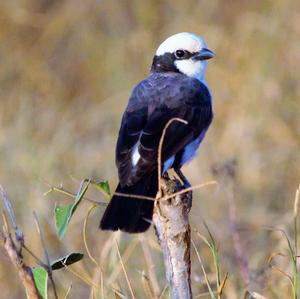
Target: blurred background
x=67 y=70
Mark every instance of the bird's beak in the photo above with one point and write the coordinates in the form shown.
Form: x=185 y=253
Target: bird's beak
x=204 y=54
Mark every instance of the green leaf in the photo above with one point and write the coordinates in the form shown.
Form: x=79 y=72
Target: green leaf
x=103 y=187
x=63 y=214
x=66 y=260
x=62 y=217
x=40 y=277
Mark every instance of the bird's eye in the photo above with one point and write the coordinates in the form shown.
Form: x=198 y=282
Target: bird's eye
x=180 y=54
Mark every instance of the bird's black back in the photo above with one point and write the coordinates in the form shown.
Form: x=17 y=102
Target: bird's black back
x=153 y=102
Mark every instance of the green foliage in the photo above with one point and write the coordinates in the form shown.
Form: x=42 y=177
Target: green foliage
x=103 y=187
x=66 y=260
x=211 y=243
x=215 y=253
x=63 y=214
x=62 y=217
x=40 y=276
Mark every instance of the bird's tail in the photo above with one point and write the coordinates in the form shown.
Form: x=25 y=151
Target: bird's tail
x=132 y=215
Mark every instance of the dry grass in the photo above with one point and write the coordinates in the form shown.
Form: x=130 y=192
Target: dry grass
x=67 y=69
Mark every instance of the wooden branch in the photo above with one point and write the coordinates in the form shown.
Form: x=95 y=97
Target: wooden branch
x=24 y=271
x=172 y=227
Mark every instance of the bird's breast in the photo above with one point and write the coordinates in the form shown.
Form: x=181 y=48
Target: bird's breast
x=191 y=149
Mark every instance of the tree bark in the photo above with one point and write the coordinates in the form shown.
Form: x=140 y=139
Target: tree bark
x=172 y=227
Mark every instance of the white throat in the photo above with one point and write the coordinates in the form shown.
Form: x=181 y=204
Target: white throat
x=192 y=68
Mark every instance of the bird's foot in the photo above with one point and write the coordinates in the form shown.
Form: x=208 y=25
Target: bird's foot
x=183 y=179
x=186 y=184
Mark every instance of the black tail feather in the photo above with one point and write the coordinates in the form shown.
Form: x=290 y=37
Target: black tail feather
x=132 y=215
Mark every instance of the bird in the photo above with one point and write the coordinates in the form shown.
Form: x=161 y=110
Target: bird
x=174 y=88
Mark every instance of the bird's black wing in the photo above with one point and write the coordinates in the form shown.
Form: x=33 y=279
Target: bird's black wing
x=133 y=122
x=152 y=104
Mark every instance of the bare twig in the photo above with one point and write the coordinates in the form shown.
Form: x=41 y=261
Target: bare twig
x=38 y=227
x=38 y=260
x=182 y=191
x=88 y=250
x=124 y=270
x=253 y=295
x=70 y=194
x=8 y=205
x=161 y=141
x=49 y=269
x=148 y=289
x=68 y=291
x=163 y=291
x=24 y=271
x=82 y=277
x=185 y=190
x=295 y=265
x=203 y=270
x=150 y=265
x=135 y=196
x=126 y=255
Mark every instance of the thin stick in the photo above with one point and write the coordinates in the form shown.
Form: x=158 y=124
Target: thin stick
x=70 y=194
x=206 y=294
x=150 y=265
x=84 y=236
x=295 y=266
x=203 y=270
x=148 y=290
x=161 y=141
x=82 y=278
x=42 y=238
x=126 y=255
x=88 y=250
x=134 y=196
x=163 y=291
x=189 y=189
x=68 y=291
x=24 y=271
x=9 y=207
x=124 y=270
x=38 y=260
x=198 y=186
x=271 y=258
x=49 y=269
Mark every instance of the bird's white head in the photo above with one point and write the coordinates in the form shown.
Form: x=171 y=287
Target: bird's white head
x=186 y=52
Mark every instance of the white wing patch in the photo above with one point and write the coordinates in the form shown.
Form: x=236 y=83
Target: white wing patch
x=135 y=157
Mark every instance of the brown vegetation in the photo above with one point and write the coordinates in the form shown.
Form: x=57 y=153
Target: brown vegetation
x=67 y=69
